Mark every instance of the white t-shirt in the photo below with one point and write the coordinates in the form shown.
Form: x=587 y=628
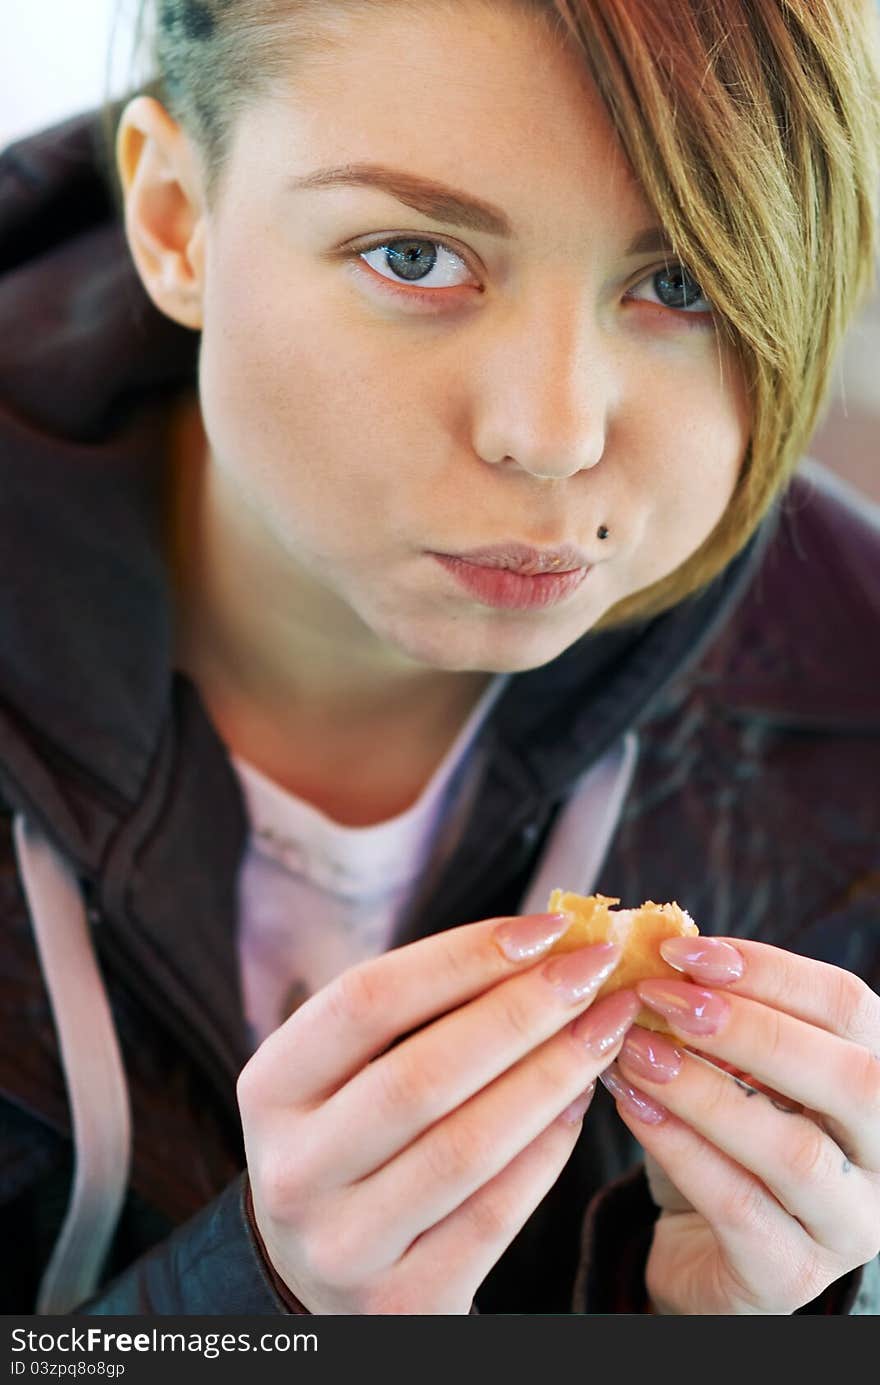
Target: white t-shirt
x=316 y=896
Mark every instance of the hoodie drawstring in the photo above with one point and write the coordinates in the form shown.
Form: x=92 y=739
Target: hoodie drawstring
x=93 y=1072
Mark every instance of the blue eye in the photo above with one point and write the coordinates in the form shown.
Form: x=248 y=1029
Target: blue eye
x=425 y=263
x=675 y=288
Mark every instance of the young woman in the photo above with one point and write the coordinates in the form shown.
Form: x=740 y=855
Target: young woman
x=404 y=513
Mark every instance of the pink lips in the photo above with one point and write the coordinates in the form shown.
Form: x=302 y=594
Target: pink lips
x=520 y=557
x=516 y=577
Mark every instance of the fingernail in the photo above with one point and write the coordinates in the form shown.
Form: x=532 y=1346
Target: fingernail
x=631 y=1099
x=651 y=1056
x=708 y=959
x=574 y=1114
x=577 y=974
x=604 y=1025
x=529 y=934
x=686 y=1007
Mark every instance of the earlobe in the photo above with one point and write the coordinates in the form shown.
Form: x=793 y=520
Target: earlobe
x=164 y=218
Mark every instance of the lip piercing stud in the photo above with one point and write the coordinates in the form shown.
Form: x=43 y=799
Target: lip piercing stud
x=602 y=531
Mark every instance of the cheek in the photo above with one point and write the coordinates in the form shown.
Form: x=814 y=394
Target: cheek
x=292 y=416
x=700 y=445
x=692 y=437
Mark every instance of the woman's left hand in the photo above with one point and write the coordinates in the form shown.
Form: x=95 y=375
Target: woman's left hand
x=764 y=1117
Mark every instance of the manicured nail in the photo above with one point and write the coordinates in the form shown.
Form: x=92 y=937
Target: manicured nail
x=708 y=959
x=528 y=935
x=631 y=1099
x=650 y=1056
x=574 y=1114
x=686 y=1007
x=603 y=1026
x=574 y=975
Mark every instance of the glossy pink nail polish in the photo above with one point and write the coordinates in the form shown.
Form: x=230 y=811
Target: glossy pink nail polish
x=604 y=1024
x=687 y=1008
x=650 y=1056
x=575 y=975
x=710 y=960
x=529 y=935
x=631 y=1099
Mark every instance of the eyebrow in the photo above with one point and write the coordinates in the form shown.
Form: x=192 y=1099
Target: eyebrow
x=650 y=241
x=424 y=195
x=443 y=203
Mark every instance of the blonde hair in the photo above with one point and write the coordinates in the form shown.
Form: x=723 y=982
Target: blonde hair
x=753 y=127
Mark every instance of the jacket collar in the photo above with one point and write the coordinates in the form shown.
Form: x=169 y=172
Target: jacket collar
x=800 y=655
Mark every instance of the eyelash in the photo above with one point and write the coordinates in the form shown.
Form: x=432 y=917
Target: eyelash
x=430 y=296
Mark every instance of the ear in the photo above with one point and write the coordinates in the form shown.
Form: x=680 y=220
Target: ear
x=164 y=212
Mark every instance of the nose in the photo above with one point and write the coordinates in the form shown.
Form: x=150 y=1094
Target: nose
x=544 y=392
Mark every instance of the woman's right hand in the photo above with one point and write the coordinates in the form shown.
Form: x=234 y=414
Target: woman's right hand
x=389 y=1180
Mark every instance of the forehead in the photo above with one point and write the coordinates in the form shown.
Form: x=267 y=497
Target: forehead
x=490 y=100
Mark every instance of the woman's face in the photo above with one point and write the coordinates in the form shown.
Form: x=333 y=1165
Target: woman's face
x=391 y=375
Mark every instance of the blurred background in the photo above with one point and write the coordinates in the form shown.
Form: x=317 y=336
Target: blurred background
x=59 y=56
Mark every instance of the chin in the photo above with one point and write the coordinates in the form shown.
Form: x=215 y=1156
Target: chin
x=485 y=646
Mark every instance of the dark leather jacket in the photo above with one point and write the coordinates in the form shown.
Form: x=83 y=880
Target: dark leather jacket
x=754 y=801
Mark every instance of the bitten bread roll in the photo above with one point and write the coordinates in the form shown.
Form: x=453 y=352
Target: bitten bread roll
x=638 y=931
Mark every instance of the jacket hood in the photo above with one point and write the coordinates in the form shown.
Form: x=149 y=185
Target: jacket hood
x=87 y=368
x=86 y=363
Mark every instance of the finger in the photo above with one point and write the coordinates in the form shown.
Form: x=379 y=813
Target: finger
x=815 y=992
x=802 y=1167
x=472 y=1238
x=359 y=1013
x=772 y=1262
x=811 y=1066
x=456 y=1157
x=663 y=1190
x=399 y=1095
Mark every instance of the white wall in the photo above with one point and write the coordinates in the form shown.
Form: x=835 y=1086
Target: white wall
x=53 y=59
